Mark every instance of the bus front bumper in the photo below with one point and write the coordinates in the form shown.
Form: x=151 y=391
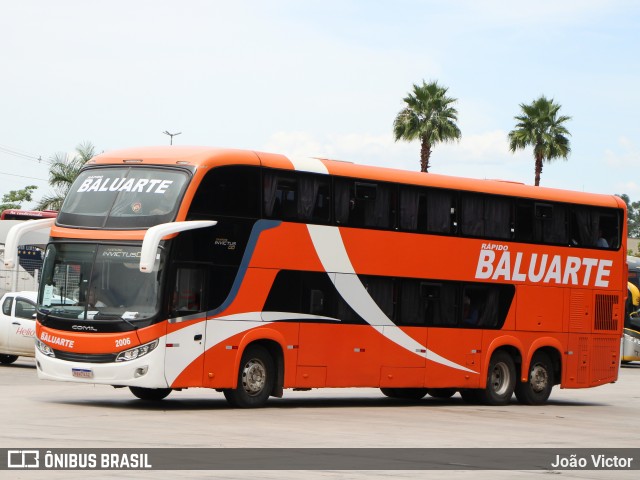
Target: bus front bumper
x=146 y=371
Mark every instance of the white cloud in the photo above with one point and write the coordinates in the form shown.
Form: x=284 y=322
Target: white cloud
x=297 y=144
x=535 y=14
x=627 y=155
x=480 y=156
x=631 y=188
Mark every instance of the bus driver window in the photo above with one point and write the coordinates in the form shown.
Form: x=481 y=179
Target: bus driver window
x=187 y=293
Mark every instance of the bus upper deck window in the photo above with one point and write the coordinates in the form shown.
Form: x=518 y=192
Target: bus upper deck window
x=543 y=211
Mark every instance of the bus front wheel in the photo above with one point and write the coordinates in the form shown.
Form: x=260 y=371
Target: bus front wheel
x=150 y=394
x=501 y=380
x=7 y=359
x=256 y=378
x=537 y=389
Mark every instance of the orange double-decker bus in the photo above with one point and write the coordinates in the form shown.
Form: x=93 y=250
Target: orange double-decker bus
x=251 y=273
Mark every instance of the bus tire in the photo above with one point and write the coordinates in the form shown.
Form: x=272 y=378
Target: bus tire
x=7 y=359
x=150 y=394
x=471 y=396
x=443 y=393
x=537 y=389
x=405 y=393
x=256 y=377
x=501 y=380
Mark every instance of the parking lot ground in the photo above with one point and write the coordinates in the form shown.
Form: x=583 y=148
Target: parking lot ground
x=40 y=414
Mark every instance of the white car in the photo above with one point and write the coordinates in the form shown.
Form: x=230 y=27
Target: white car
x=17 y=325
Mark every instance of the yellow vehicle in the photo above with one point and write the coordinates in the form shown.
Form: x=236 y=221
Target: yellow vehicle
x=631 y=339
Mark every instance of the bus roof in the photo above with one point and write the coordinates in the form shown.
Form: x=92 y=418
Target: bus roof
x=203 y=157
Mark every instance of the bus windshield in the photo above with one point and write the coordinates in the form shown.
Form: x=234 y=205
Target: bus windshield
x=123 y=198
x=89 y=281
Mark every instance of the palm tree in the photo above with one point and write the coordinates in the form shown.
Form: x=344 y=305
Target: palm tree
x=62 y=172
x=542 y=127
x=428 y=116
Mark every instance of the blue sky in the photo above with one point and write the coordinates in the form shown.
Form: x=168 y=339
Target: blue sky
x=321 y=78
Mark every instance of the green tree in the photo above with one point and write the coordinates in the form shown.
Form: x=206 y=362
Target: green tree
x=62 y=172
x=541 y=127
x=15 y=198
x=633 y=216
x=429 y=117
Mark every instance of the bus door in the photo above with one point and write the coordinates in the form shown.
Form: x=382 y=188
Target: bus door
x=456 y=317
x=184 y=358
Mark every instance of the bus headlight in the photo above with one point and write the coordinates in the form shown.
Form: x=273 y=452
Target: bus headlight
x=44 y=348
x=136 y=352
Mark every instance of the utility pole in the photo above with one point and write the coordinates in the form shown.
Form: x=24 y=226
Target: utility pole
x=171 y=135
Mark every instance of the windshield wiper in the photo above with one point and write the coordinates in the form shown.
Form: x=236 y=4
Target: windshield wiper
x=114 y=316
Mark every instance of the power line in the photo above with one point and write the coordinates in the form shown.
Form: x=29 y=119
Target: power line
x=23 y=176
x=23 y=155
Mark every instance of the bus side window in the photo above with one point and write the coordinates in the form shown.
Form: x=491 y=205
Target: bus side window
x=440 y=302
x=550 y=223
x=363 y=204
x=228 y=191
x=413 y=210
x=280 y=196
x=498 y=221
x=486 y=216
x=413 y=305
x=318 y=294
x=380 y=289
x=188 y=292
x=285 y=294
x=472 y=215
x=441 y=212
x=316 y=303
x=609 y=228
x=524 y=222
x=479 y=306
x=313 y=198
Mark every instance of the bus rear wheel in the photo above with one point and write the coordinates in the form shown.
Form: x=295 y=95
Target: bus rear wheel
x=537 y=389
x=405 y=393
x=501 y=380
x=150 y=394
x=471 y=396
x=256 y=379
x=7 y=359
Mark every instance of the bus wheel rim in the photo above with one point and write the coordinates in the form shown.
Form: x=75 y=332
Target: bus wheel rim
x=254 y=377
x=500 y=378
x=539 y=378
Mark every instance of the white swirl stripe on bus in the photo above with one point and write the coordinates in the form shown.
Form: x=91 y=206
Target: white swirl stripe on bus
x=306 y=164
x=269 y=316
x=221 y=329
x=332 y=252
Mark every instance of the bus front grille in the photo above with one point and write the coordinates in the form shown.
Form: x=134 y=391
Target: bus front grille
x=86 y=357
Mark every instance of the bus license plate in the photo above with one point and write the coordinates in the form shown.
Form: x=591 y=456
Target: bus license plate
x=82 y=372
